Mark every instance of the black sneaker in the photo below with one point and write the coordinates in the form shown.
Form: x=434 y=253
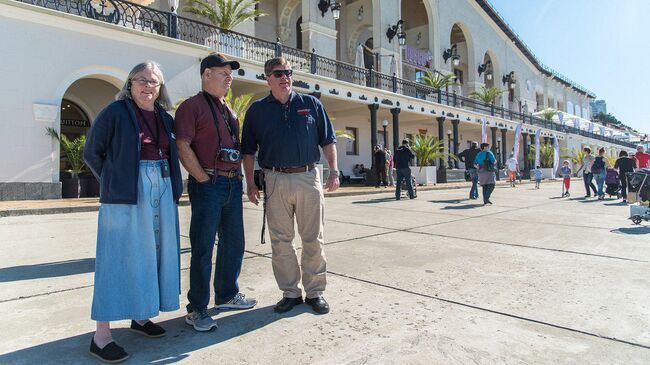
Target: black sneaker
x=287 y=304
x=149 y=329
x=318 y=304
x=111 y=353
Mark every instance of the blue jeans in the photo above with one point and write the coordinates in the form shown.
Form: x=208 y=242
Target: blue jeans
x=587 y=178
x=600 y=181
x=401 y=175
x=473 y=192
x=216 y=208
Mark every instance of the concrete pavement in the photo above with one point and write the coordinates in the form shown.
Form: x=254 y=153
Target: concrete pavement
x=533 y=279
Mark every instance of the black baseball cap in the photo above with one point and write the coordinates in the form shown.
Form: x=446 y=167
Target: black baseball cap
x=217 y=60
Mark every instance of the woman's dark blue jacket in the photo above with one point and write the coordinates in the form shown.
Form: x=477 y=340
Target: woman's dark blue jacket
x=112 y=153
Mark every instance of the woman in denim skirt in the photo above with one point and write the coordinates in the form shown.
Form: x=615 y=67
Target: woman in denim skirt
x=132 y=151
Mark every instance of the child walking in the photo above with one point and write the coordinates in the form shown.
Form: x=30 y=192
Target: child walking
x=538 y=176
x=566 y=178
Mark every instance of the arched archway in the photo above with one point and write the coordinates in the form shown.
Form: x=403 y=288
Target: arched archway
x=461 y=63
x=417 y=57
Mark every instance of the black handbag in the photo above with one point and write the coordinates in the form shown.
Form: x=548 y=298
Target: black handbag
x=488 y=164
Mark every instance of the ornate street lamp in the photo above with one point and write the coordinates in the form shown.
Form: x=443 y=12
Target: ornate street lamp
x=452 y=53
x=396 y=30
x=325 y=5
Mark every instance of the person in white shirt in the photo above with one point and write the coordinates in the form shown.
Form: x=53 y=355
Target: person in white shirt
x=513 y=169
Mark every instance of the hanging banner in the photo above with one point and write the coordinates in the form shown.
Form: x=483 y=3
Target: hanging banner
x=591 y=127
x=484 y=130
x=560 y=116
x=602 y=131
x=576 y=123
x=537 y=146
x=556 y=156
x=517 y=135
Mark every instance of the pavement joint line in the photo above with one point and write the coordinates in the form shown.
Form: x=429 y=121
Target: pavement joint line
x=44 y=294
x=531 y=247
x=493 y=311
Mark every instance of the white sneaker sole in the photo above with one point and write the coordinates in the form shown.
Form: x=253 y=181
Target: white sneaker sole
x=200 y=329
x=226 y=306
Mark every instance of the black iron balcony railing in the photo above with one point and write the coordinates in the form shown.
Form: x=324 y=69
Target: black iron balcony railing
x=142 y=18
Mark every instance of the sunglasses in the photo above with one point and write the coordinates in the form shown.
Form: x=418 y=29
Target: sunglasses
x=278 y=73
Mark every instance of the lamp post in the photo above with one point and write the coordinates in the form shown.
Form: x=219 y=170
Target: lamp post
x=384 y=123
x=498 y=148
x=449 y=161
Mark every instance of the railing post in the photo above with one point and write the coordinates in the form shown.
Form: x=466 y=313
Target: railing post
x=455 y=98
x=371 y=77
x=503 y=112
x=312 y=67
x=173 y=25
x=394 y=83
x=439 y=96
x=278 y=48
x=492 y=108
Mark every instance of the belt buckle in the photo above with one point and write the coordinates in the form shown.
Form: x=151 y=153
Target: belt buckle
x=232 y=173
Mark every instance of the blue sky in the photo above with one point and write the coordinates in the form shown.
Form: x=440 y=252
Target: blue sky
x=603 y=45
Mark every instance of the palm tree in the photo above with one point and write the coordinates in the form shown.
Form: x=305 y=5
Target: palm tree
x=428 y=148
x=486 y=95
x=225 y=14
x=438 y=81
x=239 y=106
x=548 y=113
x=73 y=150
x=344 y=134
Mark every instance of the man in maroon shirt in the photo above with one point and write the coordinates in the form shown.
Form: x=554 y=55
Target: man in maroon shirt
x=207 y=137
x=642 y=158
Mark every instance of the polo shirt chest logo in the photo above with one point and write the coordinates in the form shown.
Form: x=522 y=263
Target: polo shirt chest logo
x=306 y=113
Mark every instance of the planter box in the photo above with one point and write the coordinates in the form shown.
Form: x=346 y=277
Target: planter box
x=425 y=176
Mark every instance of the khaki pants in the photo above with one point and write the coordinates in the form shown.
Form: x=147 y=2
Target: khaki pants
x=298 y=195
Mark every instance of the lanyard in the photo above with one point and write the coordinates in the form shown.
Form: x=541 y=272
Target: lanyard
x=148 y=127
x=225 y=119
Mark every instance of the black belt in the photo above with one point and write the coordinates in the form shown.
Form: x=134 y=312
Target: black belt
x=292 y=169
x=230 y=173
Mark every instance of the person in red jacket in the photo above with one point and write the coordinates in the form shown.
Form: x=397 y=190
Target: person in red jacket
x=642 y=158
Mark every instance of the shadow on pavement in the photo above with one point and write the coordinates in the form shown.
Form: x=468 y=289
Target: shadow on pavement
x=617 y=204
x=374 y=201
x=450 y=201
x=47 y=270
x=180 y=340
x=632 y=230
x=467 y=206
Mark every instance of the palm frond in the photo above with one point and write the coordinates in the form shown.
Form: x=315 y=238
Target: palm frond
x=438 y=81
x=486 y=95
x=428 y=148
x=73 y=150
x=225 y=14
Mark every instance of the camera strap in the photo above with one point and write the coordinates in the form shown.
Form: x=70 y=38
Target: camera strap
x=226 y=120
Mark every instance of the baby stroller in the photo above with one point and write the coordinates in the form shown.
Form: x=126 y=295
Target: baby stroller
x=612 y=183
x=639 y=191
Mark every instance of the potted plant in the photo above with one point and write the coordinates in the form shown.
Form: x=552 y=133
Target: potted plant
x=427 y=149
x=546 y=154
x=73 y=151
x=486 y=95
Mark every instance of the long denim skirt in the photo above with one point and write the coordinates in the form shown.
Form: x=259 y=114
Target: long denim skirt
x=137 y=268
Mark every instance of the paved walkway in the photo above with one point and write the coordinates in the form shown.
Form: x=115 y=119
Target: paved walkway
x=532 y=279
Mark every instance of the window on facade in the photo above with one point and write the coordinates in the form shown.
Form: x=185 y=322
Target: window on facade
x=299 y=33
x=351 y=147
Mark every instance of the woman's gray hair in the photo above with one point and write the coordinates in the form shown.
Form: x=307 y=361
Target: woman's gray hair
x=163 y=99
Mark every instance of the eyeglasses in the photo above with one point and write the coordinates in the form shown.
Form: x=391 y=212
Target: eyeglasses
x=143 y=82
x=278 y=73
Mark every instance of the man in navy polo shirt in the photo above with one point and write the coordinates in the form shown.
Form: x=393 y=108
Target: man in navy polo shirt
x=288 y=128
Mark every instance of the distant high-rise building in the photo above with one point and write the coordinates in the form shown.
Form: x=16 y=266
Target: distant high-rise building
x=597 y=107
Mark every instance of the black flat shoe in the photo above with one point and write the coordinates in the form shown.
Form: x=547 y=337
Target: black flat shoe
x=318 y=304
x=287 y=304
x=111 y=353
x=149 y=329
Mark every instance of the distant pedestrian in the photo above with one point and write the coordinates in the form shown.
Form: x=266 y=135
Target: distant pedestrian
x=587 y=176
x=566 y=171
x=513 y=169
x=599 y=170
x=625 y=165
x=389 y=167
x=642 y=158
x=485 y=163
x=380 y=166
x=467 y=157
x=403 y=157
x=537 y=172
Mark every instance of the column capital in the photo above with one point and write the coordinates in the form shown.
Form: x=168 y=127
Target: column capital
x=441 y=119
x=373 y=106
x=395 y=111
x=455 y=121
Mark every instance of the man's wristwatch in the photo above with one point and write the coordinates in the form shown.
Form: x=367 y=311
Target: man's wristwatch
x=333 y=173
